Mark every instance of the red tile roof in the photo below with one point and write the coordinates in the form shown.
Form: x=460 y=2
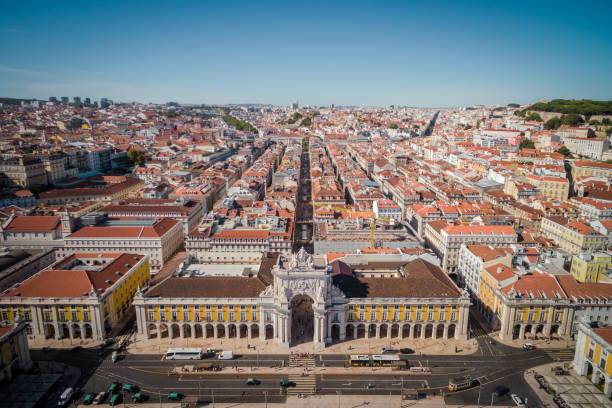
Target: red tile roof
x=33 y=223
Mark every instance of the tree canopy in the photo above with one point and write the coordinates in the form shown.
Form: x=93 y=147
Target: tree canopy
x=534 y=116
x=393 y=126
x=582 y=107
x=527 y=144
x=239 y=124
x=572 y=119
x=513 y=105
x=552 y=123
x=136 y=157
x=306 y=122
x=564 y=151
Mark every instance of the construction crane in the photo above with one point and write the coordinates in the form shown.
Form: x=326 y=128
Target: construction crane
x=373 y=219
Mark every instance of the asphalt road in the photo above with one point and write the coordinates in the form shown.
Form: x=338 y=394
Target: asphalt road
x=151 y=374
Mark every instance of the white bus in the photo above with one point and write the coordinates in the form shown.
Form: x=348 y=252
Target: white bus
x=184 y=354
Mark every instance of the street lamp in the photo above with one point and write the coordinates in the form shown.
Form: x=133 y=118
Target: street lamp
x=492 y=396
x=265 y=393
x=479 y=390
x=339 y=395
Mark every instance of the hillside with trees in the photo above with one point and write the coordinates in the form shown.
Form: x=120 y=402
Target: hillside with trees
x=586 y=107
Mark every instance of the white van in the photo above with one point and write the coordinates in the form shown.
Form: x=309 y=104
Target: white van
x=64 y=399
x=115 y=357
x=226 y=355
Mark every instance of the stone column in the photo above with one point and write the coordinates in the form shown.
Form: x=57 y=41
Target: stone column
x=565 y=329
x=423 y=330
x=316 y=327
x=389 y=331
x=445 y=335
x=342 y=332
x=226 y=330
x=378 y=331
x=355 y=331
x=215 y=331
x=411 y=332
x=506 y=326
x=159 y=333
x=193 y=331
x=521 y=332
x=181 y=331
x=608 y=388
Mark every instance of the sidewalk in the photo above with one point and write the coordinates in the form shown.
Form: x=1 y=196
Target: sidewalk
x=359 y=346
x=326 y=401
x=574 y=389
x=541 y=343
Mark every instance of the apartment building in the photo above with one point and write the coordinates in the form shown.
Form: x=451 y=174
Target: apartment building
x=188 y=212
x=446 y=240
x=387 y=209
x=556 y=188
x=22 y=172
x=100 y=293
x=587 y=168
x=591 y=148
x=159 y=239
x=32 y=231
x=590 y=266
x=474 y=259
x=573 y=235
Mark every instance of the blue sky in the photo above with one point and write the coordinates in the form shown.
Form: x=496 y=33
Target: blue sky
x=434 y=53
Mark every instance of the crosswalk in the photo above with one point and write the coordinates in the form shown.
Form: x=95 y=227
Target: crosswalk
x=304 y=384
x=560 y=355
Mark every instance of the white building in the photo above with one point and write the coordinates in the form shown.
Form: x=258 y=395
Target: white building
x=158 y=238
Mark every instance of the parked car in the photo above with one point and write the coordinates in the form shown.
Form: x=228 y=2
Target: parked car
x=115 y=400
x=114 y=388
x=130 y=388
x=528 y=346
x=99 y=398
x=406 y=350
x=138 y=397
x=89 y=398
x=65 y=398
x=252 y=381
x=287 y=383
x=500 y=390
x=388 y=350
x=517 y=400
x=173 y=396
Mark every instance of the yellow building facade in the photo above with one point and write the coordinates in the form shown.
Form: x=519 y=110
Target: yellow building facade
x=55 y=309
x=588 y=267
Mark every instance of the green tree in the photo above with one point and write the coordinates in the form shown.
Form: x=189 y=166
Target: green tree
x=572 y=119
x=564 y=151
x=306 y=122
x=552 y=123
x=136 y=157
x=467 y=127
x=527 y=144
x=393 y=126
x=534 y=116
x=513 y=105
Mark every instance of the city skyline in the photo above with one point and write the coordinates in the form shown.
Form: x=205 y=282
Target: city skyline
x=364 y=55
